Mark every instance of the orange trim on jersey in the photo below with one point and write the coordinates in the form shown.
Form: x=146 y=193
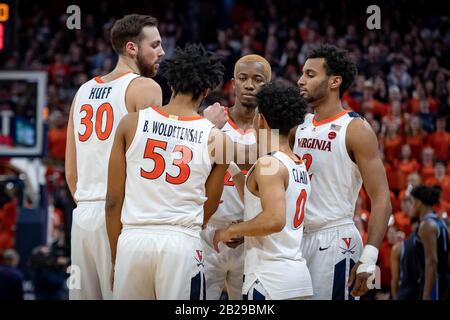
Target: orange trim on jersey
x=174 y=117
x=236 y=127
x=298 y=161
x=100 y=80
x=328 y=120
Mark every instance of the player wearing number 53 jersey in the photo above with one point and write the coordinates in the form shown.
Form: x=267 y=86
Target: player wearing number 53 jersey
x=97 y=109
x=341 y=152
x=275 y=193
x=163 y=178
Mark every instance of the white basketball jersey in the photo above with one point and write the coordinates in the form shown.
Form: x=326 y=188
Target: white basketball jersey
x=98 y=109
x=276 y=260
x=168 y=164
x=231 y=207
x=335 y=178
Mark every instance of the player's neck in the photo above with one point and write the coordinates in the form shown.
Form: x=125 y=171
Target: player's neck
x=424 y=211
x=123 y=66
x=276 y=142
x=286 y=148
x=327 y=108
x=182 y=105
x=242 y=116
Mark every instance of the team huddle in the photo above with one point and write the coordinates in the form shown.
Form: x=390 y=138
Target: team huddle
x=170 y=204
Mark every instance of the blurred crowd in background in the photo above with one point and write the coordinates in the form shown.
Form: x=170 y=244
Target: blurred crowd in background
x=403 y=90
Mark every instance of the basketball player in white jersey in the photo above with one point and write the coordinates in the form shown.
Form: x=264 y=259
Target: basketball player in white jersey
x=94 y=116
x=275 y=193
x=226 y=268
x=162 y=180
x=341 y=152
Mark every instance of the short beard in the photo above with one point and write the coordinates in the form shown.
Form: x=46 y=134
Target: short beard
x=319 y=93
x=145 y=69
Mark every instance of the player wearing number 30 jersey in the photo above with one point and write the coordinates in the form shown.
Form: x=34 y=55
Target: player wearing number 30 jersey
x=163 y=178
x=275 y=193
x=97 y=109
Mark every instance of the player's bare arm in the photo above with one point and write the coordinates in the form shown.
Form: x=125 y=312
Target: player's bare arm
x=143 y=93
x=238 y=179
x=71 y=155
x=395 y=269
x=291 y=137
x=428 y=235
x=271 y=188
x=116 y=182
x=363 y=147
x=214 y=184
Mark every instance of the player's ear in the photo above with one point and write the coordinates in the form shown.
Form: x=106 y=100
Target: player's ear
x=206 y=92
x=233 y=83
x=131 y=49
x=335 y=82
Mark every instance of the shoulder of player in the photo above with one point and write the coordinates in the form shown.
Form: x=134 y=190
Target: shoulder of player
x=269 y=166
x=359 y=132
x=427 y=226
x=140 y=83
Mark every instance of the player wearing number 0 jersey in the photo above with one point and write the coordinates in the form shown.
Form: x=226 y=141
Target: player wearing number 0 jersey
x=97 y=109
x=275 y=193
x=163 y=178
x=227 y=267
x=341 y=152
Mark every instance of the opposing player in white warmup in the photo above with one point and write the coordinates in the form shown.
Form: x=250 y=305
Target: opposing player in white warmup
x=163 y=178
x=94 y=116
x=275 y=193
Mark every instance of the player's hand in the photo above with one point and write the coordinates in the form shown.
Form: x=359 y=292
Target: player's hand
x=216 y=114
x=221 y=235
x=111 y=278
x=359 y=280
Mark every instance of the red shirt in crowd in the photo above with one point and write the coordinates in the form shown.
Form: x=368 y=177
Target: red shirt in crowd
x=57 y=142
x=416 y=143
x=392 y=147
x=427 y=172
x=440 y=142
x=402 y=222
x=405 y=167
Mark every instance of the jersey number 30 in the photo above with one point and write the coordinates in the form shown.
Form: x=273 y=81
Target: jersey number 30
x=160 y=162
x=102 y=134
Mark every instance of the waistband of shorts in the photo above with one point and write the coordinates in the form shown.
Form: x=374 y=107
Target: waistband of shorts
x=91 y=204
x=328 y=225
x=194 y=232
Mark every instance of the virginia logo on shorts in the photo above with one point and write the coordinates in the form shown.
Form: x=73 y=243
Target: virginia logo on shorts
x=347 y=242
x=199 y=257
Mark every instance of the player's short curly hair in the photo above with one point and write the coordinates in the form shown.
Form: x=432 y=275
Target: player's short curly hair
x=337 y=63
x=427 y=195
x=192 y=70
x=282 y=106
